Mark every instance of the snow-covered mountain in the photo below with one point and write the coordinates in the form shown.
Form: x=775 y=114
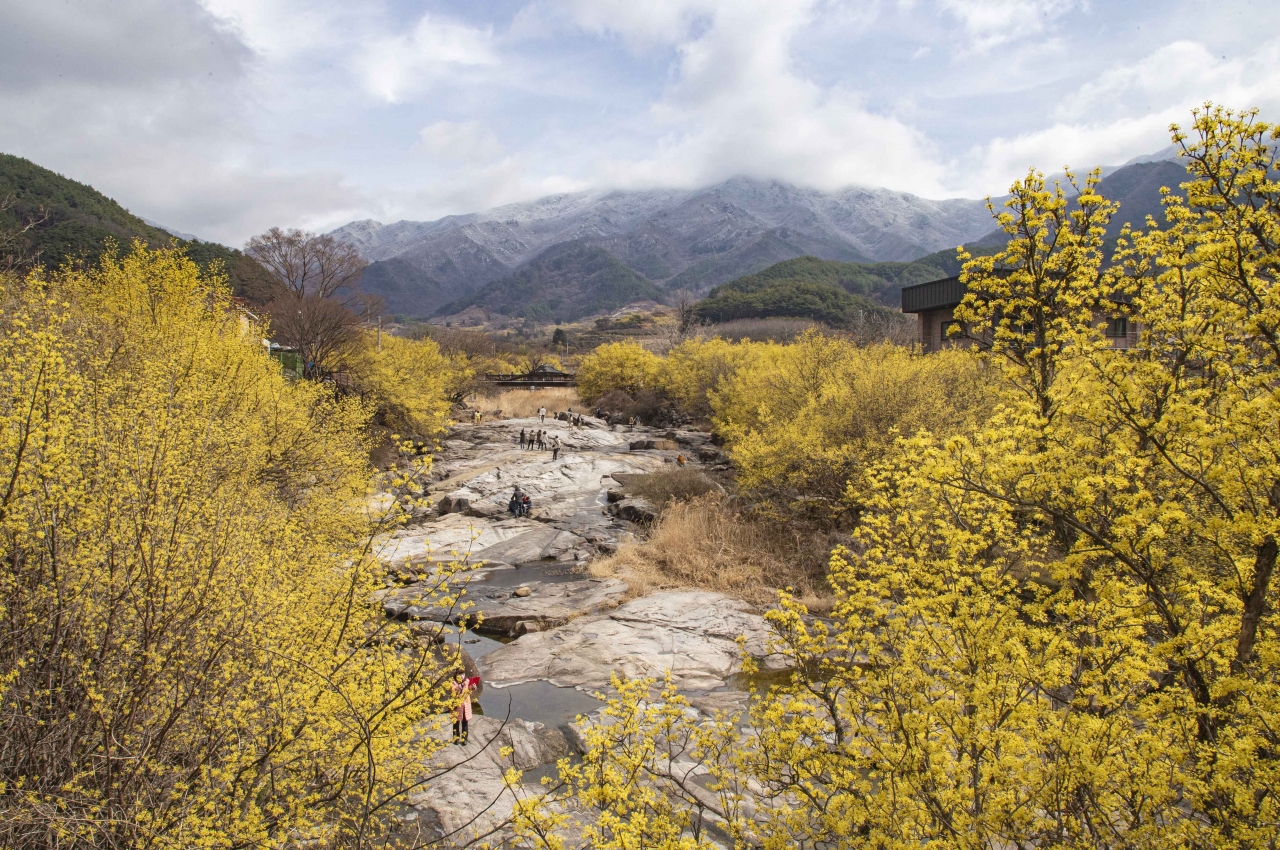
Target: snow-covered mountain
x=691 y=239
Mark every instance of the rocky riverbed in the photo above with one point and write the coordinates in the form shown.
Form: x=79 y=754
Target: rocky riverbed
x=551 y=635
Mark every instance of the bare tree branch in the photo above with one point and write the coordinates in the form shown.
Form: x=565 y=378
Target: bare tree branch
x=307 y=264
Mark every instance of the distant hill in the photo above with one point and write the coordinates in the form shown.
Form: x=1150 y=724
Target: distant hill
x=824 y=290
x=878 y=281
x=564 y=284
x=1137 y=188
x=756 y=297
x=79 y=220
x=875 y=241
x=801 y=287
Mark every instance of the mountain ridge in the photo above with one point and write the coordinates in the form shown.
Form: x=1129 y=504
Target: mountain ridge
x=567 y=282
x=680 y=239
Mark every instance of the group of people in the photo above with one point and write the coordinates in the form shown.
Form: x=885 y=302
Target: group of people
x=519 y=504
x=539 y=440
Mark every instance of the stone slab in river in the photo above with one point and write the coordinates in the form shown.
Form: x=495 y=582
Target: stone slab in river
x=691 y=633
x=548 y=604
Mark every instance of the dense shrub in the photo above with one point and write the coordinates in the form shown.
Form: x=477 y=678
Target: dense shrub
x=811 y=416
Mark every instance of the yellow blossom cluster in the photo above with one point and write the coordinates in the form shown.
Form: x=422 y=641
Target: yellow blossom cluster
x=189 y=656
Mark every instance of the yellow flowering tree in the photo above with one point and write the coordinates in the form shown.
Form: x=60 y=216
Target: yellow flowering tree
x=643 y=780
x=189 y=654
x=695 y=368
x=810 y=416
x=1059 y=627
x=624 y=366
x=407 y=382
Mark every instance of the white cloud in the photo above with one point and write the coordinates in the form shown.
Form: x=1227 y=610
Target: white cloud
x=222 y=117
x=990 y=23
x=1126 y=111
x=642 y=24
x=480 y=186
x=738 y=105
x=1181 y=73
x=465 y=141
x=395 y=67
x=146 y=42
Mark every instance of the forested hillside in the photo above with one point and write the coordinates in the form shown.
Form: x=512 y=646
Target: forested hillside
x=73 y=223
x=823 y=290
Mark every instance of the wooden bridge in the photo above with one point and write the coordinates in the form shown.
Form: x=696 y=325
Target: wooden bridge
x=540 y=376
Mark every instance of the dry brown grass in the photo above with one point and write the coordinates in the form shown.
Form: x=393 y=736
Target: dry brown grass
x=520 y=404
x=669 y=485
x=705 y=543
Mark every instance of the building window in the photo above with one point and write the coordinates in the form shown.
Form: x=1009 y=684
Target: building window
x=1117 y=328
x=948 y=333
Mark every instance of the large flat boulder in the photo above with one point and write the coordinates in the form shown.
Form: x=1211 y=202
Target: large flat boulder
x=691 y=633
x=451 y=537
x=465 y=796
x=659 y=445
x=510 y=612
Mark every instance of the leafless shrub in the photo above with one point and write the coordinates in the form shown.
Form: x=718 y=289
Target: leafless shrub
x=16 y=252
x=761 y=330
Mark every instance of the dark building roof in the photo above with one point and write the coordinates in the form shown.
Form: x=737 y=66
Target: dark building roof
x=949 y=292
x=544 y=369
x=934 y=295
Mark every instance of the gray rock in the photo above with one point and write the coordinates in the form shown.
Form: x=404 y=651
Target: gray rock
x=543 y=606
x=464 y=795
x=691 y=633
x=663 y=445
x=453 y=505
x=635 y=510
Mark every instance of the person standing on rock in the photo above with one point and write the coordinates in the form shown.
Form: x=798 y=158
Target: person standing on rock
x=462 y=689
x=542 y=415
x=555 y=447
x=521 y=438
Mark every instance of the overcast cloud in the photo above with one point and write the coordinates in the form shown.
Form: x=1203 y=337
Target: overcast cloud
x=225 y=117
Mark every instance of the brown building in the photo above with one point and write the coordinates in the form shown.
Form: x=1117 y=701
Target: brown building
x=934 y=304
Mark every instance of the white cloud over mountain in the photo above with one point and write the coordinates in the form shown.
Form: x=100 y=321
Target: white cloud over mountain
x=224 y=117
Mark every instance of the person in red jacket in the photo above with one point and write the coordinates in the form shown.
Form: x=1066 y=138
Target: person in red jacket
x=462 y=689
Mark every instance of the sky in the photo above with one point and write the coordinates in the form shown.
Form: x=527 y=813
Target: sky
x=223 y=118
